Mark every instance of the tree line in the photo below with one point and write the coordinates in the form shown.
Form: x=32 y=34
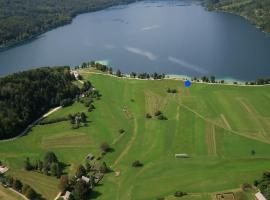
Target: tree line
x=21 y=20
x=26 y=96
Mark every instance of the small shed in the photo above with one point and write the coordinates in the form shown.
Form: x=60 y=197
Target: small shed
x=181 y=155
x=67 y=195
x=85 y=179
x=90 y=156
x=259 y=196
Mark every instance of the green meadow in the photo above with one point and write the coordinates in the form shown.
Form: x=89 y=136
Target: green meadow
x=216 y=125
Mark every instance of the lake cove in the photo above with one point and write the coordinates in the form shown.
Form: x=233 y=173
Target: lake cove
x=172 y=37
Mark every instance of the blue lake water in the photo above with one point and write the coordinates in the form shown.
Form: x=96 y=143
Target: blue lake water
x=172 y=37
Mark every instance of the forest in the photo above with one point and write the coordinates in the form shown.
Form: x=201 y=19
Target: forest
x=24 y=19
x=256 y=11
x=25 y=96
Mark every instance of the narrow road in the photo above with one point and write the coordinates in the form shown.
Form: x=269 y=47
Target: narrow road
x=20 y=194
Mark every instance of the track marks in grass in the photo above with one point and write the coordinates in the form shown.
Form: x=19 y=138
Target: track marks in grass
x=129 y=145
x=262 y=123
x=210 y=135
x=228 y=126
x=230 y=130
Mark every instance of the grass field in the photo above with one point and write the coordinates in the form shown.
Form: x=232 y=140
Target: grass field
x=216 y=125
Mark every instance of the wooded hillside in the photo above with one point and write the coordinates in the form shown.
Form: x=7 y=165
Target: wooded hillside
x=25 y=96
x=23 y=19
x=257 y=11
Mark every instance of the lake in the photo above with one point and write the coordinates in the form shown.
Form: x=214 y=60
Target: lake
x=172 y=37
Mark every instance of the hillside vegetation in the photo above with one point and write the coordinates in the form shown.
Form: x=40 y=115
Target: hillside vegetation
x=23 y=19
x=25 y=96
x=224 y=130
x=257 y=11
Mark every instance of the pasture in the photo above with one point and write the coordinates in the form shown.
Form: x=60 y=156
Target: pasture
x=216 y=125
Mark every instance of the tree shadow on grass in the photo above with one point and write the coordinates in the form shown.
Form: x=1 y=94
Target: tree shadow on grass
x=94 y=194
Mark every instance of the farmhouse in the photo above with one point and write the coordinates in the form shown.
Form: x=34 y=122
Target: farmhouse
x=259 y=196
x=3 y=169
x=181 y=155
x=67 y=195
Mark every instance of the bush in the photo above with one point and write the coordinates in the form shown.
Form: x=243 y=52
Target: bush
x=137 y=163
x=179 y=194
x=121 y=131
x=157 y=113
x=105 y=147
x=17 y=185
x=162 y=117
x=148 y=116
x=66 y=102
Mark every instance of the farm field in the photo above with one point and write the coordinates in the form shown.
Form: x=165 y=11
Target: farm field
x=216 y=125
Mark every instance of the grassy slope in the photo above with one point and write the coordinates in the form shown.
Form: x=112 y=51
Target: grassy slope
x=220 y=158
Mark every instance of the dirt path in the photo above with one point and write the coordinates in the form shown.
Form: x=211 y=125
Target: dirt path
x=32 y=124
x=129 y=145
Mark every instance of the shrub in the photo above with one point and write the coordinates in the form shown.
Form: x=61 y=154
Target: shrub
x=158 y=112
x=162 y=117
x=105 y=147
x=66 y=102
x=137 y=163
x=121 y=131
x=179 y=194
x=148 y=116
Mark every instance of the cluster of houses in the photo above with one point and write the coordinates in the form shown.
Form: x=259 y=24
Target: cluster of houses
x=96 y=178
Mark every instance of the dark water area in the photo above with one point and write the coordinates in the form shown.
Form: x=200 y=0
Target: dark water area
x=172 y=37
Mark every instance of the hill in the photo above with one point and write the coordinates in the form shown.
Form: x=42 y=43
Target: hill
x=256 y=11
x=223 y=129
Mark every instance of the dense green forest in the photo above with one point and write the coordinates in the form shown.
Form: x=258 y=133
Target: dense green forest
x=257 y=11
x=24 y=19
x=25 y=96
